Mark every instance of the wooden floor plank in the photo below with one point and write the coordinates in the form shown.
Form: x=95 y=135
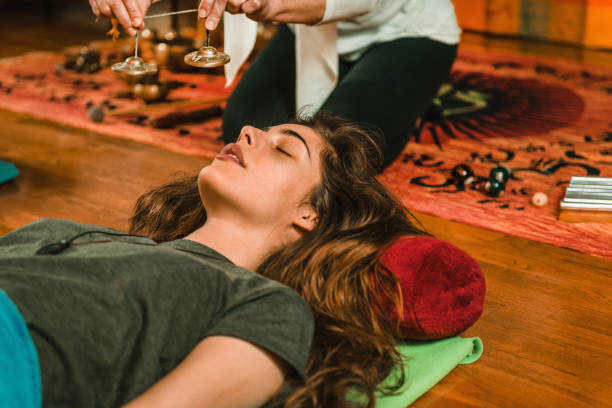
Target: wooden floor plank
x=547 y=323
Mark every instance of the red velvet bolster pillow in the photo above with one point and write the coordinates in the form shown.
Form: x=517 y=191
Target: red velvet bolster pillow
x=443 y=288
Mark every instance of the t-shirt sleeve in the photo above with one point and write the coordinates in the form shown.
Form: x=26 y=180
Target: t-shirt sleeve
x=279 y=321
x=344 y=9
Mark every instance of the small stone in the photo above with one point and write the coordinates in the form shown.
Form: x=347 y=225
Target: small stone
x=539 y=199
x=96 y=114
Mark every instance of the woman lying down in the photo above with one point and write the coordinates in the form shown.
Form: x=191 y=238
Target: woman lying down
x=255 y=283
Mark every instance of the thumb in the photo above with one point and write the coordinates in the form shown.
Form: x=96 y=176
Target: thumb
x=252 y=6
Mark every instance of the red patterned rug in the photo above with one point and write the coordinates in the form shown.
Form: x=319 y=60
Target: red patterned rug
x=545 y=120
x=32 y=84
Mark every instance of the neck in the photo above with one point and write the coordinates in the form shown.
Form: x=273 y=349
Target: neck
x=246 y=247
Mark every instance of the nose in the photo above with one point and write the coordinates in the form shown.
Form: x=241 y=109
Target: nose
x=248 y=135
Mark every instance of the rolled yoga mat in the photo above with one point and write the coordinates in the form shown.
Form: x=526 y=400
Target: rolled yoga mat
x=426 y=363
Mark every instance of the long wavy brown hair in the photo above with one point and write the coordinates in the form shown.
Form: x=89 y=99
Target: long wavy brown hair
x=335 y=267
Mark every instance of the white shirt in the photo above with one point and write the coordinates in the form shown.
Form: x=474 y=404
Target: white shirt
x=387 y=20
x=347 y=29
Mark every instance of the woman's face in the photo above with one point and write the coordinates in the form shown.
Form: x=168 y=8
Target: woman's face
x=265 y=177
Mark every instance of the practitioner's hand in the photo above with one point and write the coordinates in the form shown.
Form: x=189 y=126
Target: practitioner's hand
x=283 y=11
x=130 y=13
x=258 y=10
x=212 y=10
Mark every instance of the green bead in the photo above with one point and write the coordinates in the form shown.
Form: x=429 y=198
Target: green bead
x=500 y=174
x=494 y=188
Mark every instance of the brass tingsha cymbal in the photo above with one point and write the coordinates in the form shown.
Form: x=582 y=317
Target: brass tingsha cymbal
x=135 y=66
x=207 y=57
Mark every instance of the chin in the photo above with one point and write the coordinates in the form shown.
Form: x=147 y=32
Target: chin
x=211 y=179
x=216 y=184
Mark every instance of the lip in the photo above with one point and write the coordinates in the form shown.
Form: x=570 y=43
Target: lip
x=236 y=150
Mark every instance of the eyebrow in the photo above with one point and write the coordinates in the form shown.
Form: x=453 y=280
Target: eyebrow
x=293 y=133
x=290 y=132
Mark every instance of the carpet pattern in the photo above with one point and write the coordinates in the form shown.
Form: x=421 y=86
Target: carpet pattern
x=29 y=85
x=545 y=120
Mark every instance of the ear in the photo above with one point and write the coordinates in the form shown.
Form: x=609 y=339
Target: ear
x=306 y=217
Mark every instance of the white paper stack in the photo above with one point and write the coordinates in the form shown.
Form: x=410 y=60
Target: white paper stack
x=587 y=199
x=588 y=193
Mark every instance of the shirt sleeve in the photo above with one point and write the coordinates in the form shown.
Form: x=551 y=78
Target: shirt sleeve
x=336 y=10
x=279 y=321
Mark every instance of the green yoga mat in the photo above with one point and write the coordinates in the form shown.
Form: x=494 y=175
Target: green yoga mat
x=427 y=362
x=7 y=171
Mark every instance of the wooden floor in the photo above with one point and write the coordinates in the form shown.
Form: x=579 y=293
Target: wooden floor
x=547 y=325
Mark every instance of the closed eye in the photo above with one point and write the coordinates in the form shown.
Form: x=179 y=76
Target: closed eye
x=282 y=151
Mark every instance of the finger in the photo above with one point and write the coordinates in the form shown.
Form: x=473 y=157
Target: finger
x=233 y=10
x=144 y=8
x=135 y=15
x=123 y=16
x=252 y=6
x=212 y=21
x=94 y=7
x=233 y=6
x=204 y=8
x=104 y=8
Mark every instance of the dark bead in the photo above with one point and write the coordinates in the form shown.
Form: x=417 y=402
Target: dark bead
x=462 y=174
x=494 y=188
x=93 y=67
x=500 y=174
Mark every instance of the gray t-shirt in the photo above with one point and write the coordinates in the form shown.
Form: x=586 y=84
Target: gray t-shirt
x=109 y=318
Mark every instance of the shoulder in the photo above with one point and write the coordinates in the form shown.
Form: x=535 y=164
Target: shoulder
x=50 y=225
x=270 y=315
x=268 y=292
x=31 y=237
x=45 y=229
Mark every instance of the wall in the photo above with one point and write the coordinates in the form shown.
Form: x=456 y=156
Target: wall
x=582 y=22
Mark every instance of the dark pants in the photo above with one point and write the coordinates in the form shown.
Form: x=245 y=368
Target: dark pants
x=390 y=86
